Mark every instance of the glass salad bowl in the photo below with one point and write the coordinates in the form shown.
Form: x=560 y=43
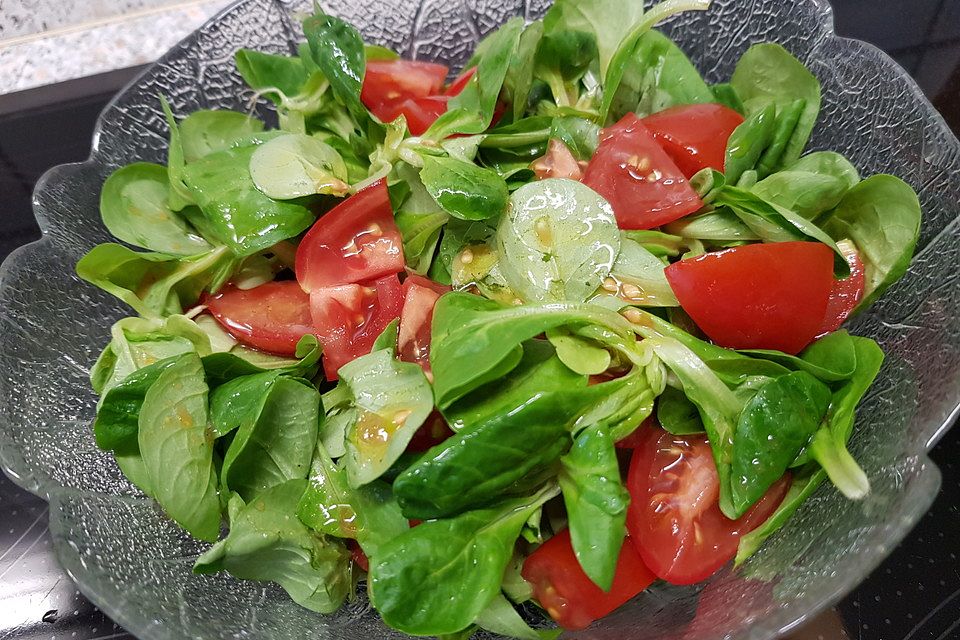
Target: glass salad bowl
x=136 y=565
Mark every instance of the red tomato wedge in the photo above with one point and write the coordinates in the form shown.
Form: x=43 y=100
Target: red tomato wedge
x=568 y=595
x=674 y=518
x=847 y=292
x=392 y=81
x=757 y=296
x=694 y=135
x=272 y=317
x=420 y=295
x=557 y=162
x=638 y=178
x=358 y=556
x=348 y=318
x=457 y=86
x=355 y=241
x=419 y=112
x=431 y=433
x=639 y=435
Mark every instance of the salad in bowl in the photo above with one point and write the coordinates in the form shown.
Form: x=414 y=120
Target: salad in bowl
x=547 y=331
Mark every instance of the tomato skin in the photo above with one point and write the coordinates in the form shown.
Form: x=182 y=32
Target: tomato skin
x=639 y=435
x=431 y=433
x=393 y=81
x=358 y=556
x=420 y=295
x=355 y=241
x=757 y=296
x=420 y=281
x=694 y=135
x=271 y=317
x=568 y=595
x=457 y=86
x=638 y=178
x=348 y=318
x=419 y=112
x=846 y=293
x=674 y=517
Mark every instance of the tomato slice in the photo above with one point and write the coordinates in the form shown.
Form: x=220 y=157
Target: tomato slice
x=557 y=162
x=568 y=595
x=457 y=86
x=674 y=518
x=419 y=112
x=271 y=317
x=694 y=135
x=847 y=292
x=358 y=556
x=393 y=81
x=638 y=178
x=639 y=435
x=348 y=318
x=431 y=433
x=757 y=296
x=420 y=295
x=355 y=241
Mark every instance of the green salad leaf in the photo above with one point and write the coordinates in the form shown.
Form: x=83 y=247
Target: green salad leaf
x=296 y=165
x=156 y=284
x=391 y=400
x=471 y=112
x=881 y=215
x=468 y=328
x=658 y=75
x=275 y=442
x=268 y=542
x=134 y=207
x=176 y=449
x=558 y=241
x=596 y=502
x=271 y=74
x=240 y=215
x=772 y=428
x=330 y=505
x=510 y=450
x=463 y=189
x=437 y=578
x=337 y=51
x=208 y=131
x=767 y=74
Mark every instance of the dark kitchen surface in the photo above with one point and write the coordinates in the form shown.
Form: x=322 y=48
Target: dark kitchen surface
x=914 y=595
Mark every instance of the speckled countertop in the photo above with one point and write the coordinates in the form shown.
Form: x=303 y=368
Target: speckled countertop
x=47 y=41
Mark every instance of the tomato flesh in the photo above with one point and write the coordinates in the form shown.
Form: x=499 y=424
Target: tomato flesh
x=757 y=296
x=348 y=318
x=674 y=517
x=457 y=86
x=420 y=295
x=355 y=241
x=847 y=292
x=431 y=433
x=694 y=135
x=358 y=556
x=393 y=81
x=557 y=162
x=420 y=113
x=271 y=317
x=638 y=178
x=568 y=595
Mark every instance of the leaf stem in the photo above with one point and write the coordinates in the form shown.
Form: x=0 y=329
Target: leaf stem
x=844 y=472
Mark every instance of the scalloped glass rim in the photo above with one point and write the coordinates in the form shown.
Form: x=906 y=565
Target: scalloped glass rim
x=135 y=566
